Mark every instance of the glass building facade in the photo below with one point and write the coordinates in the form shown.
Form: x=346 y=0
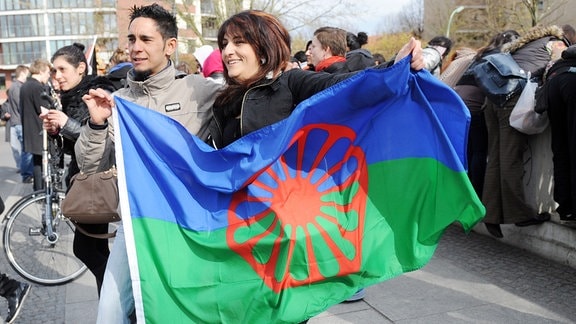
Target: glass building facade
x=35 y=29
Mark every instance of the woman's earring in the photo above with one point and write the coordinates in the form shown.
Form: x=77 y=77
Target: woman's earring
x=263 y=60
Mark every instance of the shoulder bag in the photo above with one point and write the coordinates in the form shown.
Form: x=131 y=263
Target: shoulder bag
x=523 y=117
x=500 y=77
x=93 y=198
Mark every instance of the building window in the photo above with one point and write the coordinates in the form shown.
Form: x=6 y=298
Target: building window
x=2 y=81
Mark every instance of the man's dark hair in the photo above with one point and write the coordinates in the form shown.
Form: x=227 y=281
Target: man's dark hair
x=300 y=56
x=441 y=41
x=165 y=20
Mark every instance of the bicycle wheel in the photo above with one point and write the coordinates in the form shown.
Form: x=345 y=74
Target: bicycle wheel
x=29 y=251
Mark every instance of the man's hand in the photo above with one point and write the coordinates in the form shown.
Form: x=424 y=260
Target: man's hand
x=413 y=47
x=100 y=104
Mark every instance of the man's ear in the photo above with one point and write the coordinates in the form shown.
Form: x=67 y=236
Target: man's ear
x=171 y=46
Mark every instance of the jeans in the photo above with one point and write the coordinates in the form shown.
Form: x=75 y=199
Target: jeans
x=23 y=159
x=116 y=299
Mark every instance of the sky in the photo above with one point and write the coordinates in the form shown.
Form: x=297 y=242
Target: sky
x=377 y=9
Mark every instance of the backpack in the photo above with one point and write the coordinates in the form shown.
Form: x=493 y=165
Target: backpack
x=500 y=77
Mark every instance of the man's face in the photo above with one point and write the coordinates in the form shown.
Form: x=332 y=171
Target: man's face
x=149 y=52
x=317 y=54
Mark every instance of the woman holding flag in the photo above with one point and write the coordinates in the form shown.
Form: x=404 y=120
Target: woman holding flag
x=256 y=50
x=72 y=76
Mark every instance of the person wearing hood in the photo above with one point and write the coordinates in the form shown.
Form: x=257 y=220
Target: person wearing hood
x=201 y=53
x=214 y=68
x=503 y=193
x=358 y=58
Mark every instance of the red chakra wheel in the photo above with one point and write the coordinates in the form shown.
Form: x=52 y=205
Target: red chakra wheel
x=301 y=220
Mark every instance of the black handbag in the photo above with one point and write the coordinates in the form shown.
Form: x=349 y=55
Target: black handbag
x=500 y=77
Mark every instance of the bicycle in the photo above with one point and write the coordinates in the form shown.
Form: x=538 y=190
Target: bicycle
x=38 y=239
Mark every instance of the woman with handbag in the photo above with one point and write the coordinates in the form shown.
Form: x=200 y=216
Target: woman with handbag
x=71 y=74
x=473 y=96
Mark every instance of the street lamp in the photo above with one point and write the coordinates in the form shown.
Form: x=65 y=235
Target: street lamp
x=457 y=10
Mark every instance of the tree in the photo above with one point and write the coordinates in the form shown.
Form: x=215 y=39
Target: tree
x=410 y=19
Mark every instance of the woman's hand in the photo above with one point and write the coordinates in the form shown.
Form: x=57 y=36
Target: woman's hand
x=53 y=120
x=413 y=47
x=100 y=104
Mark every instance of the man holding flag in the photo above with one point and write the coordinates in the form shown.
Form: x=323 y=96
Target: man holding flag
x=156 y=84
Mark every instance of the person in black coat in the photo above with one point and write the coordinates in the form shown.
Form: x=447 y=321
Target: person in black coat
x=71 y=74
x=358 y=58
x=31 y=101
x=561 y=108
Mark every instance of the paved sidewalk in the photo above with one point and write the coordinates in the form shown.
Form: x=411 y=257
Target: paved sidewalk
x=471 y=279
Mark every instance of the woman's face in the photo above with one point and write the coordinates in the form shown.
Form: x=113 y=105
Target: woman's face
x=240 y=59
x=308 y=54
x=317 y=54
x=66 y=74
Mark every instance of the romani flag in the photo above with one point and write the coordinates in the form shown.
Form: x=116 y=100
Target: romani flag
x=354 y=188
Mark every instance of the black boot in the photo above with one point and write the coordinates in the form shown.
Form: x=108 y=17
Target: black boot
x=15 y=301
x=494 y=230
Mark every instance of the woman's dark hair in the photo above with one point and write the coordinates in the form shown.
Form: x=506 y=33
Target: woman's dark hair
x=73 y=54
x=165 y=20
x=497 y=41
x=356 y=41
x=267 y=36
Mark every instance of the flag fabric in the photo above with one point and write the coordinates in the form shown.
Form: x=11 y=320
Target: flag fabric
x=354 y=188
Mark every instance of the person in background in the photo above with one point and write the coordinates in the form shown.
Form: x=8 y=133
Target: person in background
x=31 y=101
x=71 y=74
x=185 y=68
x=11 y=114
x=13 y=290
x=358 y=58
x=255 y=51
x=561 y=107
x=119 y=66
x=435 y=52
x=569 y=33
x=309 y=56
x=457 y=62
x=378 y=58
x=503 y=193
x=213 y=67
x=474 y=98
x=301 y=59
x=201 y=53
x=328 y=50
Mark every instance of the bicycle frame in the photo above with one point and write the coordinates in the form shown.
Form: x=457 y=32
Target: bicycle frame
x=51 y=236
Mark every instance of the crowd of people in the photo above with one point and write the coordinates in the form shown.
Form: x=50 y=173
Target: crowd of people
x=229 y=95
x=496 y=149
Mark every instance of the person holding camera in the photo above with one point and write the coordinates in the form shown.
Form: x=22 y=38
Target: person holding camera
x=71 y=69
